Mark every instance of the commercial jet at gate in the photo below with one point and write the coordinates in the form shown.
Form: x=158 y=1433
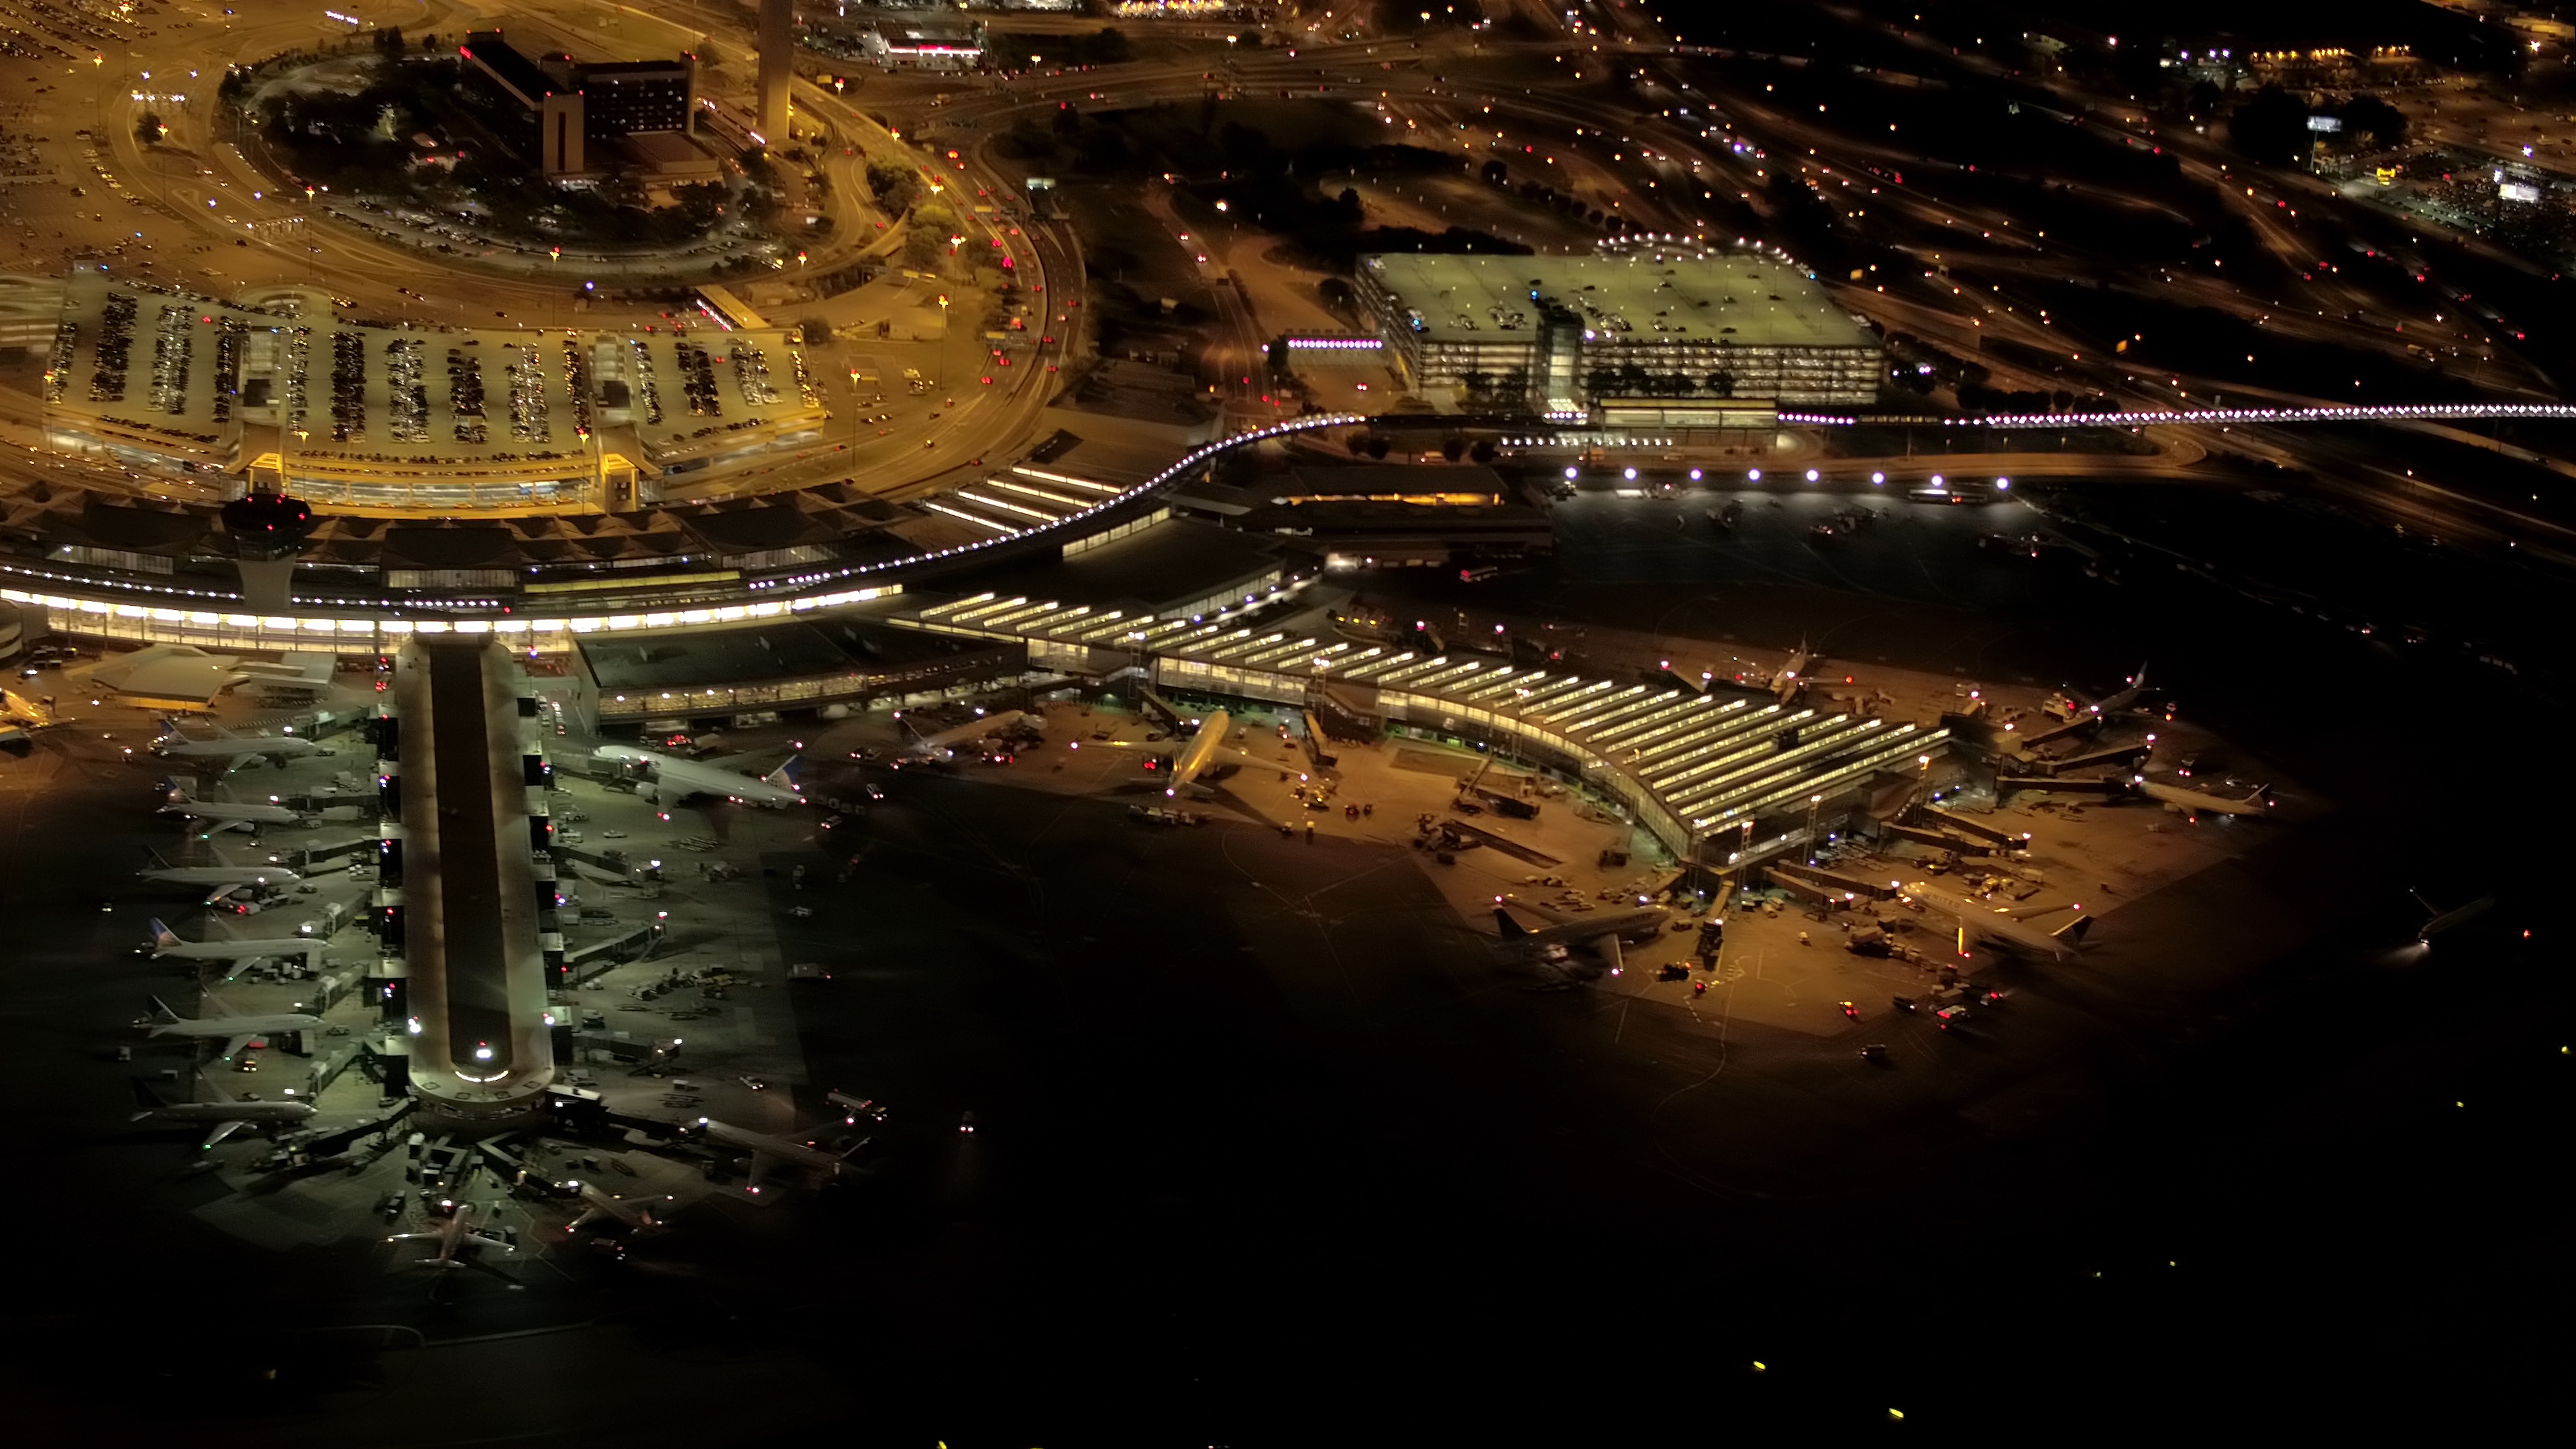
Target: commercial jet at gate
x=166 y=942
x=666 y=780
x=235 y=1032
x=1204 y=750
x=229 y=814
x=768 y=1150
x=459 y=1235
x=2006 y=926
x=222 y=1117
x=943 y=744
x=235 y=750
x=223 y=877
x=1599 y=935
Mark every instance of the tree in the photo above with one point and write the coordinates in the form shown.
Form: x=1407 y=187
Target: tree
x=2272 y=127
x=2382 y=122
x=895 y=188
x=389 y=41
x=1496 y=174
x=1719 y=384
x=148 y=128
x=926 y=245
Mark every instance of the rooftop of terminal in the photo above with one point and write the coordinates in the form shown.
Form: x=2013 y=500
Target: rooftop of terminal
x=1745 y=298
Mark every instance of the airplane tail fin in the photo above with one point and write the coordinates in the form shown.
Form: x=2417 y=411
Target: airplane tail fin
x=2430 y=909
x=163 y=1008
x=781 y=777
x=856 y=1148
x=2072 y=933
x=1512 y=930
x=146 y=1100
x=163 y=936
x=2262 y=796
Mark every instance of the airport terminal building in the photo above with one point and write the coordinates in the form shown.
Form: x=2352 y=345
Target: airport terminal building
x=1560 y=334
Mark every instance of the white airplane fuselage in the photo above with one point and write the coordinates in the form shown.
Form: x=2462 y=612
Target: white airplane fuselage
x=218 y=875
x=2199 y=802
x=1201 y=751
x=233 y=1026
x=283 y=747
x=232 y=814
x=673 y=779
x=785 y=1149
x=304 y=946
x=203 y=1113
x=1982 y=921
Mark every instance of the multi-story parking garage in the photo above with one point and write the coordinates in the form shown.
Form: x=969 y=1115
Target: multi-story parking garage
x=1567 y=332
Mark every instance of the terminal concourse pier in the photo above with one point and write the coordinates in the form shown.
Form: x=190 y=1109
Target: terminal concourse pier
x=466 y=896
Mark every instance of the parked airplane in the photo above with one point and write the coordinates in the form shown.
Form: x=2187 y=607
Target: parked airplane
x=458 y=1235
x=236 y=1032
x=668 y=779
x=768 y=1150
x=635 y=1212
x=236 y=750
x=228 y=814
x=2069 y=705
x=1203 y=750
x=943 y=744
x=223 y=1116
x=2007 y=926
x=1793 y=675
x=166 y=942
x=223 y=876
x=1600 y=934
x=2200 y=802
x=2443 y=920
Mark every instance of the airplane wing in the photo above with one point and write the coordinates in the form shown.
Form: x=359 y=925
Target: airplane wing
x=239 y=761
x=221 y=1131
x=235 y=1046
x=1247 y=757
x=1606 y=946
x=216 y=896
x=761 y=1166
x=489 y=1241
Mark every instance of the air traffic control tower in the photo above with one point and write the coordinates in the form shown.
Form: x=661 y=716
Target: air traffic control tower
x=466 y=895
